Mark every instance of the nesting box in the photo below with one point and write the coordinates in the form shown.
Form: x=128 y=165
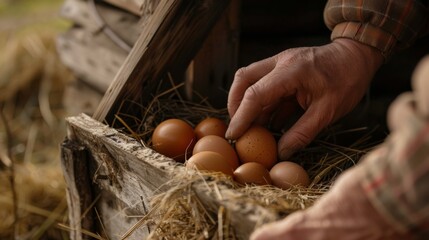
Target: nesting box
x=111 y=176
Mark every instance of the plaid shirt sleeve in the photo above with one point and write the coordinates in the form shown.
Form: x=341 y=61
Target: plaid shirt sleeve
x=397 y=172
x=387 y=25
x=397 y=180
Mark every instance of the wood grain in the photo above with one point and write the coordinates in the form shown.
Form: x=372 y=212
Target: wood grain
x=212 y=70
x=170 y=40
x=79 y=97
x=126 y=25
x=87 y=50
x=138 y=7
x=133 y=173
x=74 y=162
x=93 y=58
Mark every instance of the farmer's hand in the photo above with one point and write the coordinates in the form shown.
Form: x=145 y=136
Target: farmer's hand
x=342 y=213
x=326 y=82
x=392 y=172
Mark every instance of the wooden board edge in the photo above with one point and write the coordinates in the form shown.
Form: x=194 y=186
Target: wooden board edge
x=170 y=40
x=74 y=163
x=110 y=147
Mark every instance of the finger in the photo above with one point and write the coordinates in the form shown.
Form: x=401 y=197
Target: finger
x=304 y=130
x=284 y=229
x=269 y=231
x=420 y=83
x=401 y=111
x=244 y=78
x=264 y=93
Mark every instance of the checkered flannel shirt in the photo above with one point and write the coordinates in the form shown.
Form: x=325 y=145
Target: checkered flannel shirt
x=387 y=25
x=397 y=172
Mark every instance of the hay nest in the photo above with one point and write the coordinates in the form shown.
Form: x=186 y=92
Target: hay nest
x=181 y=212
x=178 y=213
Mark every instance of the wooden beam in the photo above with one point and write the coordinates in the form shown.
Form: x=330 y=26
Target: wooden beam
x=74 y=162
x=138 y=7
x=170 y=40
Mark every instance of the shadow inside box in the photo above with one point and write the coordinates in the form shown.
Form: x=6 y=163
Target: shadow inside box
x=367 y=118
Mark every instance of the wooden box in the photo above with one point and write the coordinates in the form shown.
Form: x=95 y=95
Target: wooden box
x=104 y=32
x=111 y=177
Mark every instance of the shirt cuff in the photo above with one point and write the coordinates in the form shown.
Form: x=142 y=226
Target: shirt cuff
x=366 y=34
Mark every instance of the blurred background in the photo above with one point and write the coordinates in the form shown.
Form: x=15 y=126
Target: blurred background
x=37 y=91
x=32 y=81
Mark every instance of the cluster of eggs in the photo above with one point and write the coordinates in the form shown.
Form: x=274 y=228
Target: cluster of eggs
x=252 y=159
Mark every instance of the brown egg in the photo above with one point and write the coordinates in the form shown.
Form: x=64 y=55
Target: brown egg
x=174 y=138
x=211 y=126
x=257 y=144
x=287 y=174
x=252 y=173
x=210 y=161
x=220 y=145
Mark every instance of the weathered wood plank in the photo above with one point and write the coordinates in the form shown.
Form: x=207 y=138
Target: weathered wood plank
x=139 y=7
x=79 y=13
x=212 y=70
x=134 y=173
x=96 y=18
x=170 y=40
x=122 y=168
x=74 y=162
x=93 y=58
x=117 y=218
x=79 y=97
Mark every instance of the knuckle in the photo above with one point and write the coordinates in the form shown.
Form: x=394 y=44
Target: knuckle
x=301 y=139
x=240 y=73
x=252 y=93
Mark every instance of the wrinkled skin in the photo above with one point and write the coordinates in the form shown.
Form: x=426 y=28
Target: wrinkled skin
x=346 y=211
x=326 y=82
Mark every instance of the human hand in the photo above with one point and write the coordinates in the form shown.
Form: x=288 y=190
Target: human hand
x=348 y=210
x=342 y=213
x=326 y=82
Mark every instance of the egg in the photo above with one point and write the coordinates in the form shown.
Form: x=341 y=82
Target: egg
x=210 y=161
x=220 y=145
x=257 y=144
x=211 y=126
x=174 y=138
x=252 y=173
x=287 y=174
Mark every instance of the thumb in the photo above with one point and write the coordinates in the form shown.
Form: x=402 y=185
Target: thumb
x=286 y=228
x=304 y=131
x=420 y=85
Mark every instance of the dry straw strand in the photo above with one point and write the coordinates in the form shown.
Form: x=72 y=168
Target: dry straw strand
x=180 y=213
